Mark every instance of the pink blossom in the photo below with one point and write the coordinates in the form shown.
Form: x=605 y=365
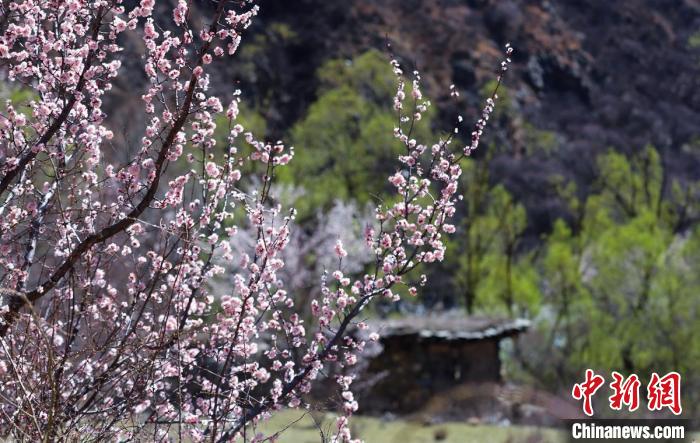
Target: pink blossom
x=163 y=283
x=180 y=12
x=339 y=250
x=212 y=169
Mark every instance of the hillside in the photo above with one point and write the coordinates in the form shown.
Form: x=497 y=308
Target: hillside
x=587 y=75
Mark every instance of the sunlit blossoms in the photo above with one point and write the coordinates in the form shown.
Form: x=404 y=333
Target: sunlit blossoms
x=128 y=312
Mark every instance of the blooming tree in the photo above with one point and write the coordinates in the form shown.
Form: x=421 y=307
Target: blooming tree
x=110 y=328
x=344 y=221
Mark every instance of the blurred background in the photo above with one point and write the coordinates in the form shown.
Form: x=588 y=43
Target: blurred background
x=577 y=242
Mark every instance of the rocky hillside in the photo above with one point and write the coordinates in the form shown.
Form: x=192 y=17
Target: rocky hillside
x=591 y=75
x=587 y=76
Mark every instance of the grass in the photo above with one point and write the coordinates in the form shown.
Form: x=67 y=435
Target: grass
x=376 y=430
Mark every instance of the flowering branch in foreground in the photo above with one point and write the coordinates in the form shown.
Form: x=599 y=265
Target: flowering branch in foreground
x=108 y=328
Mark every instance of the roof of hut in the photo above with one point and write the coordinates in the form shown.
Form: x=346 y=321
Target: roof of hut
x=450 y=327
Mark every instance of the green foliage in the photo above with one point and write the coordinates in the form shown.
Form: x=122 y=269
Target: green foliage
x=631 y=186
x=538 y=139
x=694 y=40
x=620 y=291
x=19 y=97
x=488 y=273
x=368 y=74
x=22 y=96
x=249 y=118
x=345 y=147
x=505 y=101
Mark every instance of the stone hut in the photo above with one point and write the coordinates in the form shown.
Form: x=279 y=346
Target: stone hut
x=421 y=357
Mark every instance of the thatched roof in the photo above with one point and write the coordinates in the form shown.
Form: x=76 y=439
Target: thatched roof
x=450 y=327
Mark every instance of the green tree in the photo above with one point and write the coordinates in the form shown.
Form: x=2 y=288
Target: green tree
x=618 y=289
x=488 y=269
x=346 y=147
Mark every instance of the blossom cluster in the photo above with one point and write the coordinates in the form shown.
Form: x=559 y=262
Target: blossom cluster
x=127 y=307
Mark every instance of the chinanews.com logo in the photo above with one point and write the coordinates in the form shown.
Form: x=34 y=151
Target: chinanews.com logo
x=662 y=396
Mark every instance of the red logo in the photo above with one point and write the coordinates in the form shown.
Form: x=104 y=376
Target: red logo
x=662 y=392
x=626 y=392
x=665 y=392
x=587 y=389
